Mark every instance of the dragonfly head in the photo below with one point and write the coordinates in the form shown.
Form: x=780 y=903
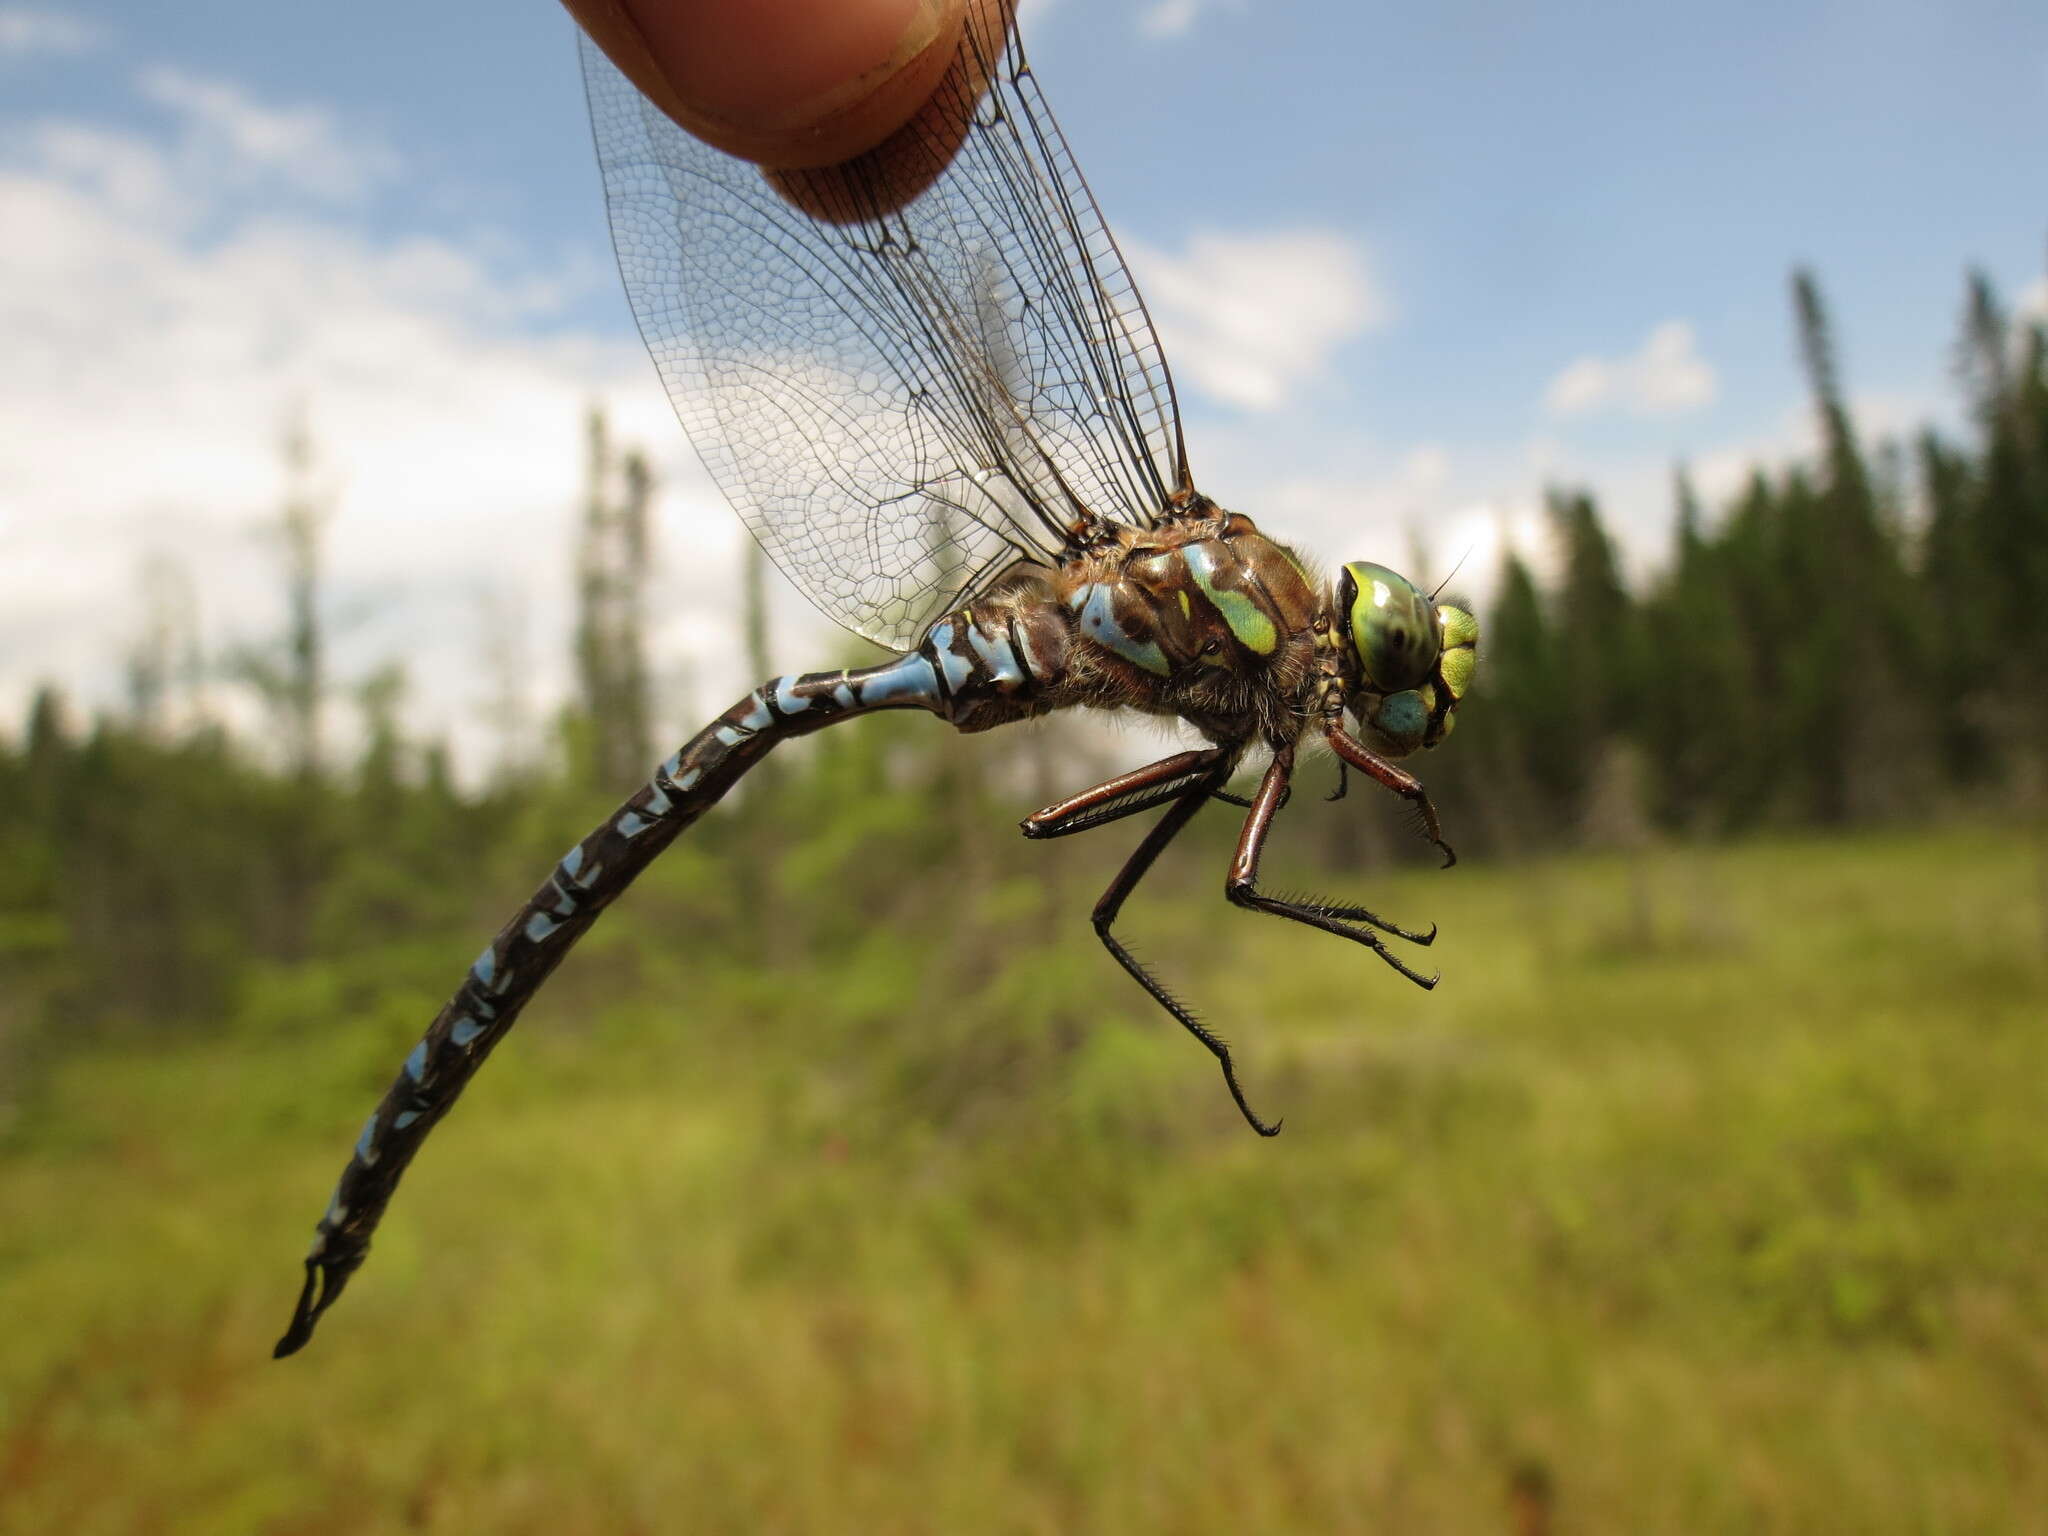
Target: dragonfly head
x=1406 y=660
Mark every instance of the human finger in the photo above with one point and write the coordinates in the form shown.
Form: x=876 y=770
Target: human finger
x=785 y=83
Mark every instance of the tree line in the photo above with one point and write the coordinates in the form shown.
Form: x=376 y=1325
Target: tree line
x=1858 y=637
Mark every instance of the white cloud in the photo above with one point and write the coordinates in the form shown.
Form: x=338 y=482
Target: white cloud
x=1174 y=18
x=116 y=170
x=1339 y=494
x=1370 y=515
x=24 y=31
x=1664 y=377
x=1721 y=474
x=145 y=377
x=1636 y=489
x=1420 y=516
x=1427 y=469
x=1252 y=318
x=302 y=144
x=1581 y=387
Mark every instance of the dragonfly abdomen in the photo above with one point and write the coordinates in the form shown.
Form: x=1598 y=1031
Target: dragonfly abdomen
x=976 y=668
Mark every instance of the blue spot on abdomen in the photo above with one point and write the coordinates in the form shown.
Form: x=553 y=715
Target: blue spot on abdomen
x=999 y=657
x=911 y=679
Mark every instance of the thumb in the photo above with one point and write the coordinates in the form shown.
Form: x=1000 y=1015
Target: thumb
x=785 y=83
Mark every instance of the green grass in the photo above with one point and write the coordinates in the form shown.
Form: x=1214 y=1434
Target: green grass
x=1709 y=1193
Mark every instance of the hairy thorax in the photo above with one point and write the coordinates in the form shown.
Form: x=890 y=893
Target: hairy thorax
x=1204 y=618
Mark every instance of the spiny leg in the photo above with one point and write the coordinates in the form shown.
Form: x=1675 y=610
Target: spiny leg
x=1343 y=784
x=1402 y=783
x=1353 y=923
x=1129 y=793
x=1240 y=801
x=1315 y=906
x=1192 y=798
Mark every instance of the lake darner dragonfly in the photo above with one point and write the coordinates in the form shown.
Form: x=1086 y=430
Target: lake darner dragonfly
x=927 y=383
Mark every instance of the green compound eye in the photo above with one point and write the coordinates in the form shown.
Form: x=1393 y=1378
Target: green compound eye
x=1402 y=718
x=1394 y=627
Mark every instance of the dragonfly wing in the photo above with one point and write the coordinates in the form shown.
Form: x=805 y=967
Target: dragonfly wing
x=902 y=399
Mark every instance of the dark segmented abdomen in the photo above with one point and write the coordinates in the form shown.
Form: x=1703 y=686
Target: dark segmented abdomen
x=975 y=669
x=588 y=878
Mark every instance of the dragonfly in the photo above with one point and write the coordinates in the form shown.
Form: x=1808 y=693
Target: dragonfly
x=928 y=384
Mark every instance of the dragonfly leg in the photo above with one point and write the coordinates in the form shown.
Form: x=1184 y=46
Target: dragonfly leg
x=1191 y=798
x=1129 y=793
x=1242 y=803
x=1402 y=783
x=1333 y=796
x=1347 y=922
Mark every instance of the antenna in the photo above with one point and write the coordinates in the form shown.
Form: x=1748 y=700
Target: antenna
x=1451 y=575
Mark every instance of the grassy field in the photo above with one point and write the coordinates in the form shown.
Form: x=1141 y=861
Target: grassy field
x=1709 y=1193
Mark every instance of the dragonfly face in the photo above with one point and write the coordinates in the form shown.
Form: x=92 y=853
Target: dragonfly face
x=1409 y=661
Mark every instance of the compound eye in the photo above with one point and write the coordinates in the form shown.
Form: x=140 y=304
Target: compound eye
x=1394 y=628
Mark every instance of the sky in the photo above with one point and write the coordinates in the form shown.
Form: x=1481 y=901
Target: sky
x=1411 y=264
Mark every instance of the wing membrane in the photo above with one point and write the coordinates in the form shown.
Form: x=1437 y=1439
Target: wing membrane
x=902 y=399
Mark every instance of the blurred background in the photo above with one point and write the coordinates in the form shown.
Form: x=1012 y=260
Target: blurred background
x=352 y=566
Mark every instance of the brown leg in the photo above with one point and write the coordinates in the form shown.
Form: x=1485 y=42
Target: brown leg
x=1192 y=797
x=1353 y=923
x=1404 y=784
x=1129 y=793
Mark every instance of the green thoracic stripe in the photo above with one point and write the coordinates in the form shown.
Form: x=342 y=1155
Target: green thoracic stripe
x=1254 y=631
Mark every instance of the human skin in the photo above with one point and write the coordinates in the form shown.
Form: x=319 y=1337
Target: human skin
x=784 y=83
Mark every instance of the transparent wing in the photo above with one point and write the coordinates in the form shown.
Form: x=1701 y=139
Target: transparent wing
x=901 y=398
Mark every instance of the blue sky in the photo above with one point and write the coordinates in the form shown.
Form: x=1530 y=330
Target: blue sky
x=1410 y=262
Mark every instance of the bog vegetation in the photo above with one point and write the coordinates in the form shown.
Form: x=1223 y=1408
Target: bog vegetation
x=837 y=1182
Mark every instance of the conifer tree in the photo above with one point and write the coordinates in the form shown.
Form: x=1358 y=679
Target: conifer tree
x=1523 y=678
x=164 y=667
x=1847 y=601
x=611 y=652
x=304 y=521
x=1698 y=702
x=1595 y=628
x=1959 y=631
x=2011 y=517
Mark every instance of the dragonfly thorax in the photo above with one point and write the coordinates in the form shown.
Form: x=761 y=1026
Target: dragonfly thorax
x=1202 y=617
